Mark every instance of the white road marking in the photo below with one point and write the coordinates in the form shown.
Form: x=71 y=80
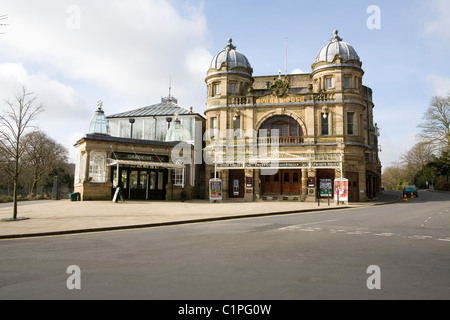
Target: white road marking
x=299 y=226
x=309 y=224
x=421 y=237
x=302 y=227
x=356 y=232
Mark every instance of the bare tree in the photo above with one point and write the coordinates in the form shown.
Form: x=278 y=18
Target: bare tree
x=42 y=155
x=395 y=177
x=13 y=125
x=416 y=159
x=436 y=125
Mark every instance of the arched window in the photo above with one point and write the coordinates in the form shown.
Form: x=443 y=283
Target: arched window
x=97 y=167
x=283 y=126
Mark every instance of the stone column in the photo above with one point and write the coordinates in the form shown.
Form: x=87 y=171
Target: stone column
x=337 y=173
x=248 y=191
x=223 y=174
x=304 y=184
x=169 y=186
x=87 y=166
x=256 y=184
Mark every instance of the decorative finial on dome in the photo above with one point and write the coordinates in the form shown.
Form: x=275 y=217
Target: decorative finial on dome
x=230 y=44
x=336 y=38
x=100 y=107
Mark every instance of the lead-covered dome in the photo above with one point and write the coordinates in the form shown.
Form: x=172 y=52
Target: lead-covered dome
x=231 y=56
x=336 y=47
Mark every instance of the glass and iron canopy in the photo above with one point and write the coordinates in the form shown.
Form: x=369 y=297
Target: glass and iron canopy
x=99 y=123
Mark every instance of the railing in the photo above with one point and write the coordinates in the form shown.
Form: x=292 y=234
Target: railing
x=324 y=97
x=280 y=140
x=239 y=101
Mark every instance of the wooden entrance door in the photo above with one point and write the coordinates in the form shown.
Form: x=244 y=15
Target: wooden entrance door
x=283 y=182
x=271 y=184
x=291 y=181
x=353 y=186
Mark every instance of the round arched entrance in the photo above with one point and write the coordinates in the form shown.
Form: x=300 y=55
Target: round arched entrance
x=286 y=131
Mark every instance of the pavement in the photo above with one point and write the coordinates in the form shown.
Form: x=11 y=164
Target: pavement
x=58 y=217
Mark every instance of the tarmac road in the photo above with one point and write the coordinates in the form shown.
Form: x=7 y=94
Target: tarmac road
x=320 y=255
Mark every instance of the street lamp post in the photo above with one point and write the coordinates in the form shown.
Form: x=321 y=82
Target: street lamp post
x=132 y=121
x=341 y=147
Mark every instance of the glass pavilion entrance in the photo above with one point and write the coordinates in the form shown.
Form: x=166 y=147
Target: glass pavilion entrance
x=140 y=180
x=142 y=183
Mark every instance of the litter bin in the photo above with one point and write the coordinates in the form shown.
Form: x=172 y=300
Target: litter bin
x=75 y=196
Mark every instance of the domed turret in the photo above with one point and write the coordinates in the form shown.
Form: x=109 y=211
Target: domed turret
x=99 y=123
x=337 y=67
x=336 y=46
x=230 y=56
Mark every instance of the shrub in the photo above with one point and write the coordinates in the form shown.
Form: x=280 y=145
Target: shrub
x=4 y=199
x=443 y=186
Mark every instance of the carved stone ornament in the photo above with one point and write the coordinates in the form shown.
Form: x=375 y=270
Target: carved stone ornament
x=280 y=87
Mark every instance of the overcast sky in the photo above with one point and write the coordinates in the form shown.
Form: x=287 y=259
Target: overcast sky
x=72 y=54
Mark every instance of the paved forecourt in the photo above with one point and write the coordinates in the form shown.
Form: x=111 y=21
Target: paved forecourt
x=59 y=217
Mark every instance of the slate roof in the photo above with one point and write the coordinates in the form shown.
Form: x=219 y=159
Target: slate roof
x=165 y=108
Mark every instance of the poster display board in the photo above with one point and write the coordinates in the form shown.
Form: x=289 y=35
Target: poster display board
x=341 y=190
x=326 y=188
x=215 y=190
x=235 y=187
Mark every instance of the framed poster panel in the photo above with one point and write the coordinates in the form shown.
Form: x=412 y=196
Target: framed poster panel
x=215 y=190
x=326 y=188
x=341 y=190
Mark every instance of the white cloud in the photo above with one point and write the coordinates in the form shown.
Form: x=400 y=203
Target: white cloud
x=130 y=50
x=441 y=85
x=63 y=108
x=436 y=18
x=73 y=53
x=297 y=71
